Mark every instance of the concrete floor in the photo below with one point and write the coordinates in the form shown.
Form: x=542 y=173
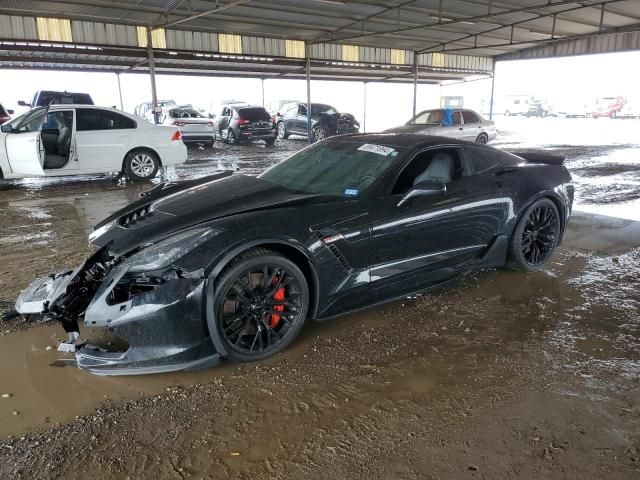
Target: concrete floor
x=502 y=375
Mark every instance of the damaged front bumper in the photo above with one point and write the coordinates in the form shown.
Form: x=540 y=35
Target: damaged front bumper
x=160 y=316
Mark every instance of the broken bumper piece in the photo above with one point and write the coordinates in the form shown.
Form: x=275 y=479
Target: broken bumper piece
x=139 y=361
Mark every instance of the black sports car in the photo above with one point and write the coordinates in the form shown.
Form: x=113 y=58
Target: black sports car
x=232 y=266
x=326 y=121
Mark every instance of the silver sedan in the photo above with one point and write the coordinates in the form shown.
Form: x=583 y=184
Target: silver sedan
x=461 y=124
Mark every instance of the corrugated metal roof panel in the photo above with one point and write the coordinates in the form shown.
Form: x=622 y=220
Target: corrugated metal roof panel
x=94 y=33
x=18 y=28
x=196 y=41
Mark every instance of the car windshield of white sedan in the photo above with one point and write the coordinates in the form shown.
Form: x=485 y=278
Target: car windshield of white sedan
x=429 y=117
x=344 y=169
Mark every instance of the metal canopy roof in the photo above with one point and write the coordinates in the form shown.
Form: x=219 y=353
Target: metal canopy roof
x=432 y=28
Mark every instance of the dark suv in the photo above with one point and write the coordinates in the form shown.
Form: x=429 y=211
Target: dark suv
x=240 y=123
x=325 y=121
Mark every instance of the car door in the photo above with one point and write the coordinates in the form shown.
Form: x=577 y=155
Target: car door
x=453 y=126
x=23 y=144
x=472 y=125
x=102 y=139
x=300 y=123
x=422 y=241
x=289 y=116
x=223 y=121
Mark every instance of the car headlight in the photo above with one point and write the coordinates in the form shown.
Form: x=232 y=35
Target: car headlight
x=164 y=253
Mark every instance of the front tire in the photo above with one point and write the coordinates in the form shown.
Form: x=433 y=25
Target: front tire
x=261 y=301
x=535 y=237
x=141 y=165
x=319 y=133
x=482 y=138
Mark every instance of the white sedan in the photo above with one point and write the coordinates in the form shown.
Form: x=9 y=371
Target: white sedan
x=83 y=139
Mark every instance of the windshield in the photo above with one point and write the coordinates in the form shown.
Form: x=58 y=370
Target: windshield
x=428 y=117
x=344 y=169
x=185 y=113
x=317 y=108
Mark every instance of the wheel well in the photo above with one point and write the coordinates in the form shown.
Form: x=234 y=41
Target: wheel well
x=142 y=149
x=482 y=134
x=297 y=257
x=558 y=205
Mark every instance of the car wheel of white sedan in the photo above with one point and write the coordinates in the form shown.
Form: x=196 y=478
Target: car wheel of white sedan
x=141 y=165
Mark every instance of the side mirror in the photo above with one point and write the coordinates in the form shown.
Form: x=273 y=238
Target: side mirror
x=10 y=112
x=6 y=129
x=22 y=103
x=424 y=189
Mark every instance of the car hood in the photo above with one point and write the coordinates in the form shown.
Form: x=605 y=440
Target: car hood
x=170 y=208
x=424 y=129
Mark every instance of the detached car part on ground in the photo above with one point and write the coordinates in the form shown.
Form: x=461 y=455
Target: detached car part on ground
x=326 y=121
x=461 y=124
x=232 y=266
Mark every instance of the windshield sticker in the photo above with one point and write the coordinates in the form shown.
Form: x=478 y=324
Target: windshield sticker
x=351 y=192
x=379 y=149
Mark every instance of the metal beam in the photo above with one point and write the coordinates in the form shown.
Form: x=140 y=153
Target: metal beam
x=490 y=15
x=440 y=47
x=308 y=78
x=152 y=73
x=119 y=90
x=415 y=82
x=211 y=11
x=626 y=28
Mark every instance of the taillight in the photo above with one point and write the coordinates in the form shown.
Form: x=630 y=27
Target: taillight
x=178 y=123
x=210 y=124
x=243 y=121
x=176 y=136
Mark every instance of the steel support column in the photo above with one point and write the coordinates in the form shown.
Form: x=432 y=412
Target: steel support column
x=415 y=82
x=308 y=69
x=364 y=109
x=119 y=90
x=493 y=82
x=262 y=90
x=152 y=73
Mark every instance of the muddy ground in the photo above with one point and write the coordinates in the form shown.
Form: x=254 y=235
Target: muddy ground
x=500 y=375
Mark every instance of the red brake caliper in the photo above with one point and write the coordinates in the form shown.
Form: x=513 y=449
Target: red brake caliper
x=278 y=297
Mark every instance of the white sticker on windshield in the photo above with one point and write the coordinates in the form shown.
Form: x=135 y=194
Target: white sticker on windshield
x=379 y=149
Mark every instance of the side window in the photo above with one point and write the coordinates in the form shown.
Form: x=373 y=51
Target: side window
x=471 y=117
x=456 y=117
x=439 y=165
x=31 y=122
x=481 y=159
x=302 y=109
x=58 y=120
x=89 y=119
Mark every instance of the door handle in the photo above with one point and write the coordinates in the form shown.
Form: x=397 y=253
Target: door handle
x=459 y=128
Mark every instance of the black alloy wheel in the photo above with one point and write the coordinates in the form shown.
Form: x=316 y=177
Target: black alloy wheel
x=261 y=304
x=536 y=236
x=231 y=137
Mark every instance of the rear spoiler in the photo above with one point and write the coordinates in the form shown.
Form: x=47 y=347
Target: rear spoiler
x=538 y=157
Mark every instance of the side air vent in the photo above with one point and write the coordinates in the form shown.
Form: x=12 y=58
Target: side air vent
x=135 y=216
x=329 y=242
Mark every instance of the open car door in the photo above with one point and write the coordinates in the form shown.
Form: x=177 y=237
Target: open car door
x=24 y=145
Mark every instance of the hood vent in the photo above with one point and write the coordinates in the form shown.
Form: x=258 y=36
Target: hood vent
x=135 y=216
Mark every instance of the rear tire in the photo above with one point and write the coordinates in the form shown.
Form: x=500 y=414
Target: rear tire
x=141 y=165
x=482 y=138
x=282 y=131
x=270 y=142
x=535 y=237
x=257 y=314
